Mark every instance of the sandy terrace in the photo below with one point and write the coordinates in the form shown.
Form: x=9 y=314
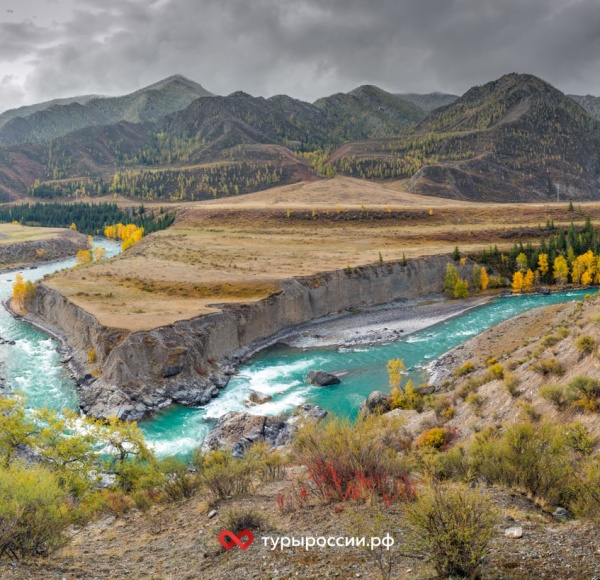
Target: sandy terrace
x=14 y=234
x=240 y=249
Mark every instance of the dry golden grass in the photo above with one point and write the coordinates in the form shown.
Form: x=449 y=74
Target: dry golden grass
x=238 y=250
x=14 y=234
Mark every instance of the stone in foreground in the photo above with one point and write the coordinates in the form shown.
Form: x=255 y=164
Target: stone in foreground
x=376 y=403
x=514 y=533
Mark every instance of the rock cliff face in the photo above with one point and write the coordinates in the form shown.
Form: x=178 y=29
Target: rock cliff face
x=189 y=361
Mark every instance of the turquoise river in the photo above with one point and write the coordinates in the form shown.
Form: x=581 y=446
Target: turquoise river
x=32 y=367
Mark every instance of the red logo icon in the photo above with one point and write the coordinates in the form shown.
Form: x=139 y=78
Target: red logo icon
x=228 y=544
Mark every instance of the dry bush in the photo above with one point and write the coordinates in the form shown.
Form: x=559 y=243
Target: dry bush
x=532 y=457
x=548 y=367
x=34 y=512
x=556 y=395
x=238 y=520
x=584 y=392
x=181 y=483
x=348 y=461
x=452 y=526
x=270 y=464
x=223 y=475
x=585 y=344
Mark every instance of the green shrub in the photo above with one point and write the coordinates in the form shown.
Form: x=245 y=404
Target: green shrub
x=472 y=384
x=510 y=384
x=550 y=340
x=578 y=438
x=270 y=464
x=532 y=457
x=454 y=464
x=584 y=392
x=223 y=474
x=34 y=513
x=556 y=395
x=180 y=482
x=587 y=503
x=529 y=411
x=585 y=344
x=548 y=367
x=443 y=408
x=474 y=400
x=452 y=526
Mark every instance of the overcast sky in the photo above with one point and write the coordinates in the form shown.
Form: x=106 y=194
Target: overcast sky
x=304 y=48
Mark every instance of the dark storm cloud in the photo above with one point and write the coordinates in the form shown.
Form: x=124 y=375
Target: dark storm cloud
x=306 y=48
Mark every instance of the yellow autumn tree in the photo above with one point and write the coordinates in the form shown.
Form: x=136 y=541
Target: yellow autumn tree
x=528 y=280
x=560 y=270
x=73 y=227
x=22 y=292
x=84 y=257
x=584 y=268
x=543 y=264
x=485 y=280
x=518 y=280
x=406 y=397
x=129 y=234
x=522 y=263
x=98 y=254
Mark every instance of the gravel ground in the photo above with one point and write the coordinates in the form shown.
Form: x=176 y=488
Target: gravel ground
x=379 y=324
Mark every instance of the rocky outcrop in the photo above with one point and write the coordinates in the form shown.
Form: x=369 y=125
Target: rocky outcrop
x=376 y=403
x=322 y=379
x=189 y=361
x=257 y=398
x=66 y=244
x=236 y=431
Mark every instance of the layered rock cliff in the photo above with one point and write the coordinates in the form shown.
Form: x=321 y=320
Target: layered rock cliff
x=189 y=361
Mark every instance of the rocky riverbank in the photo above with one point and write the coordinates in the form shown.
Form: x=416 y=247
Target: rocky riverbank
x=18 y=254
x=188 y=362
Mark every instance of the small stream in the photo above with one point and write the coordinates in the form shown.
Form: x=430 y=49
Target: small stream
x=32 y=366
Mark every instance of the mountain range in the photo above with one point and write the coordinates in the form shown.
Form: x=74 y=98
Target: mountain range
x=516 y=138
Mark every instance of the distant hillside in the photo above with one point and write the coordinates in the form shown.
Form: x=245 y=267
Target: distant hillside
x=517 y=138
x=30 y=109
x=429 y=101
x=589 y=103
x=148 y=104
x=369 y=112
x=255 y=142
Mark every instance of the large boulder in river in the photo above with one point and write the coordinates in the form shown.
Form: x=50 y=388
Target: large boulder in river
x=257 y=398
x=376 y=403
x=322 y=379
x=236 y=431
